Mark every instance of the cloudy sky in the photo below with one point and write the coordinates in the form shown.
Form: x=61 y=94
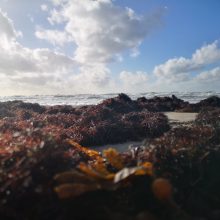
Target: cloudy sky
x=104 y=46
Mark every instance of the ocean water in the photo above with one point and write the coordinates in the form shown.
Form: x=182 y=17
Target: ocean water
x=91 y=99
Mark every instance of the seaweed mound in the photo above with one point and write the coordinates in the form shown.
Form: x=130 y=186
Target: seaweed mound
x=173 y=177
x=106 y=123
x=209 y=104
x=46 y=174
x=118 y=128
x=159 y=104
x=209 y=117
x=121 y=104
x=10 y=108
x=213 y=101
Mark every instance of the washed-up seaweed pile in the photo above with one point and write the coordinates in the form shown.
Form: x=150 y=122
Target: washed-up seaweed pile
x=175 y=176
x=209 y=117
x=206 y=104
x=28 y=161
x=115 y=120
x=158 y=104
x=46 y=174
x=23 y=153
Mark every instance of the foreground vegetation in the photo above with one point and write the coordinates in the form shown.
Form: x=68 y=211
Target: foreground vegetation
x=46 y=174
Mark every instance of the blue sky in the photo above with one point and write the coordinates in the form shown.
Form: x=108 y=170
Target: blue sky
x=70 y=46
x=187 y=25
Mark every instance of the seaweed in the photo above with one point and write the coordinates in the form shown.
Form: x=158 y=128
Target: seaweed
x=46 y=173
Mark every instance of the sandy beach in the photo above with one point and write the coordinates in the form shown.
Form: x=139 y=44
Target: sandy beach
x=181 y=117
x=120 y=147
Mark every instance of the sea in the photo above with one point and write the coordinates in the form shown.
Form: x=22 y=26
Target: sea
x=93 y=99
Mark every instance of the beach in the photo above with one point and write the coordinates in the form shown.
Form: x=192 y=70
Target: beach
x=112 y=157
x=181 y=117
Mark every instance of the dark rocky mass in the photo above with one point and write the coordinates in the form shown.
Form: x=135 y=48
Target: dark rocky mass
x=46 y=174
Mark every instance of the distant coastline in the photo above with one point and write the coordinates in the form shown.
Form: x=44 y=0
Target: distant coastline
x=93 y=99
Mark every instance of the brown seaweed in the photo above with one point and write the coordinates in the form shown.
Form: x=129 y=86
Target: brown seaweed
x=175 y=175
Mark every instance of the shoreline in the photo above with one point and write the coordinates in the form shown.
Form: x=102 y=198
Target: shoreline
x=87 y=99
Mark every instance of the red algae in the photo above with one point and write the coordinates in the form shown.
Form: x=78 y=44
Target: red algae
x=113 y=121
x=46 y=174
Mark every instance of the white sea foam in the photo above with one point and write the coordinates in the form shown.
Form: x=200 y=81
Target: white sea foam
x=90 y=99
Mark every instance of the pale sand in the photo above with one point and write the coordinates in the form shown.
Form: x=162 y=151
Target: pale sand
x=120 y=147
x=174 y=117
x=181 y=116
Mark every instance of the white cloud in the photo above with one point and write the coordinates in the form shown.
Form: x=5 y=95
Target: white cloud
x=99 y=38
x=91 y=79
x=101 y=30
x=44 y=7
x=55 y=17
x=17 y=59
x=55 y=37
x=28 y=66
x=7 y=30
x=212 y=75
x=208 y=54
x=133 y=81
x=173 y=67
x=43 y=71
x=179 y=69
x=58 y=2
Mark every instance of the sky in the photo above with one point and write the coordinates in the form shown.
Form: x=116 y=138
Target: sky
x=103 y=46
